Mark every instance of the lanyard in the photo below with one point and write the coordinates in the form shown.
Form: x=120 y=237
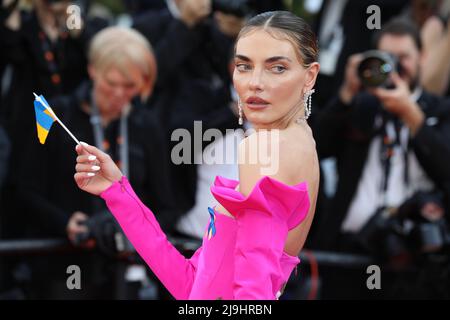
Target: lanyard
x=122 y=143
x=391 y=137
x=389 y=141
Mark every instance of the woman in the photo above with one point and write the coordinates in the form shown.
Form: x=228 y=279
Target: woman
x=106 y=112
x=261 y=222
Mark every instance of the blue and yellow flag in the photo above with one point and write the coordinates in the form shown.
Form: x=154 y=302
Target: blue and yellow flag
x=44 y=118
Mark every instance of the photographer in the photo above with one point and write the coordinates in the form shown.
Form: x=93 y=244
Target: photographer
x=391 y=140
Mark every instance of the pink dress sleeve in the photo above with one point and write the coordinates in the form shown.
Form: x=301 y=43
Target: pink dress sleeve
x=263 y=220
x=140 y=226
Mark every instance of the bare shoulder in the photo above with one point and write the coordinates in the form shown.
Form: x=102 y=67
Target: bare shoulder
x=289 y=156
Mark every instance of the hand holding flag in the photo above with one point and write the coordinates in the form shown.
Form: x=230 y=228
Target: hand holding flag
x=45 y=118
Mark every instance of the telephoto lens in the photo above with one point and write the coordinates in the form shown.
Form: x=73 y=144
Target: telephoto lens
x=375 y=68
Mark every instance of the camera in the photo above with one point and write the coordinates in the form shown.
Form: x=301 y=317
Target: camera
x=107 y=234
x=407 y=230
x=239 y=8
x=383 y=235
x=375 y=68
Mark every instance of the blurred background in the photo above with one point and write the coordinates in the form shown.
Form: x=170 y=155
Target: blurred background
x=385 y=169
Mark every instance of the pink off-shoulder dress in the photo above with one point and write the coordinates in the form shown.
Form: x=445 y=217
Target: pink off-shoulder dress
x=241 y=257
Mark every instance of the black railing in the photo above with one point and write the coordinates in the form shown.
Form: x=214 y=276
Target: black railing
x=62 y=246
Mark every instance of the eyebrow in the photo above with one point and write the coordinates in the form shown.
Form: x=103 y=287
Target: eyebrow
x=269 y=60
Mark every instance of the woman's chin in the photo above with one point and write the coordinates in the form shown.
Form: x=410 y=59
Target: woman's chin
x=258 y=121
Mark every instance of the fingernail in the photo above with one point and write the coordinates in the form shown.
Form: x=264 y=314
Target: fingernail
x=84 y=143
x=92 y=158
x=90 y=174
x=95 y=168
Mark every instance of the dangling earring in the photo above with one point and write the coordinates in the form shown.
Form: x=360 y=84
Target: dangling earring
x=307 y=103
x=241 y=117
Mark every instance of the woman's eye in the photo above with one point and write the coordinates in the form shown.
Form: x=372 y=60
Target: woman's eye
x=242 y=67
x=278 y=69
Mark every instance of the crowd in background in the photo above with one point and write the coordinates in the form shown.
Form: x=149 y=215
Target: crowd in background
x=138 y=70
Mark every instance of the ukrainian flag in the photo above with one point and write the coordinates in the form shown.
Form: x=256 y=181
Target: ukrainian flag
x=44 y=118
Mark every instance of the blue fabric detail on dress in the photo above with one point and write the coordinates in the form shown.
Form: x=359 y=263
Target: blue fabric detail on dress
x=212 y=220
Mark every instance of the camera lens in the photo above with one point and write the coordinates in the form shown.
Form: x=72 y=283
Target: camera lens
x=375 y=68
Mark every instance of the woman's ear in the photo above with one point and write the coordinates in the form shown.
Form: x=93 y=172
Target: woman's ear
x=147 y=88
x=311 y=75
x=149 y=77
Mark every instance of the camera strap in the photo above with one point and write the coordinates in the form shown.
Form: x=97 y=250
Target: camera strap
x=122 y=145
x=119 y=155
x=391 y=132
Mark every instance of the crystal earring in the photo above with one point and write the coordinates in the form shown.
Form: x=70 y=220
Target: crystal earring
x=307 y=105
x=307 y=102
x=241 y=116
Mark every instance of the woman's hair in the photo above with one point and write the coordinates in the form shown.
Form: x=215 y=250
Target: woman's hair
x=118 y=47
x=284 y=24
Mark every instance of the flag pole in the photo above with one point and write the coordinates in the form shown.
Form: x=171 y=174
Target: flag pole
x=56 y=118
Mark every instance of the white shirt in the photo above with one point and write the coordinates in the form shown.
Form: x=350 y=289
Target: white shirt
x=195 y=220
x=368 y=197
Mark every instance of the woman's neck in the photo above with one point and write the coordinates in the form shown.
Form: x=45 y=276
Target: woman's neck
x=291 y=120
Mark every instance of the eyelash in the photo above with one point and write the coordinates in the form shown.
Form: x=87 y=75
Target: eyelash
x=283 y=69
x=247 y=67
x=240 y=65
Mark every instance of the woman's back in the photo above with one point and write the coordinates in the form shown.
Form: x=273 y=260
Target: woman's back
x=300 y=160
x=289 y=156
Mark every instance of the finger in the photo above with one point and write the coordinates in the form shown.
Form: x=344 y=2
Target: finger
x=395 y=77
x=86 y=158
x=80 y=151
x=86 y=168
x=378 y=92
x=355 y=59
x=81 y=178
x=218 y=16
x=101 y=156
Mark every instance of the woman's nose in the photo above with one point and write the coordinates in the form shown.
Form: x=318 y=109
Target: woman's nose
x=119 y=91
x=256 y=81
